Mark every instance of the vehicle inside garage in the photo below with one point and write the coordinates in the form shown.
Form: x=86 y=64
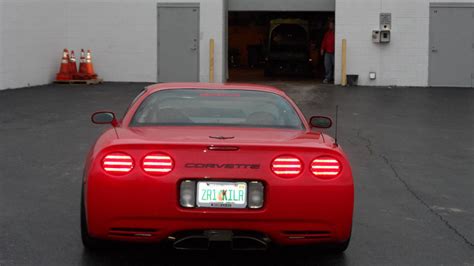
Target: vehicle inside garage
x=276 y=45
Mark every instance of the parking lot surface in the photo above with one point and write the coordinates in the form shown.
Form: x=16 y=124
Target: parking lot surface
x=411 y=150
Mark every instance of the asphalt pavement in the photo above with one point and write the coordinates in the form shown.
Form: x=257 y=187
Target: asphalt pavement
x=411 y=150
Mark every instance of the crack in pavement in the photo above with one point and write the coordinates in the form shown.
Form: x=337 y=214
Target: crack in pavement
x=411 y=191
x=367 y=140
x=419 y=199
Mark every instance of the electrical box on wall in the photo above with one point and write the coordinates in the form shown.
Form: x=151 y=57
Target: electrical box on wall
x=385 y=21
x=376 y=36
x=383 y=35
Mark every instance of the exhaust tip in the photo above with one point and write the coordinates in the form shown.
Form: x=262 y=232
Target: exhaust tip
x=249 y=243
x=191 y=243
x=220 y=240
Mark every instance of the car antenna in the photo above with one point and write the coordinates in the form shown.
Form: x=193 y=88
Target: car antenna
x=335 y=137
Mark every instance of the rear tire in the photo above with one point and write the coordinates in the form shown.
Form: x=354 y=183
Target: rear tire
x=87 y=241
x=327 y=248
x=340 y=247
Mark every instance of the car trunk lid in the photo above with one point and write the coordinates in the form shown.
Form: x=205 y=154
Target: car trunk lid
x=220 y=136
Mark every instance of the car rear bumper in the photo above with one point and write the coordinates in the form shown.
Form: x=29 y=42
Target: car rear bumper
x=279 y=232
x=147 y=210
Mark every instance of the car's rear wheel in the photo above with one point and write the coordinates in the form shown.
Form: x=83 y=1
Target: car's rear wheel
x=339 y=247
x=327 y=248
x=88 y=241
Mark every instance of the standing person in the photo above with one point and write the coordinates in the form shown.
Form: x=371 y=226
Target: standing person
x=327 y=50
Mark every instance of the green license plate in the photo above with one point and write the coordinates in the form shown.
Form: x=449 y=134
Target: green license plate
x=232 y=195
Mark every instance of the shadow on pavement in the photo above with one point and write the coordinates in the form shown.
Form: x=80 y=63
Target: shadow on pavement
x=157 y=255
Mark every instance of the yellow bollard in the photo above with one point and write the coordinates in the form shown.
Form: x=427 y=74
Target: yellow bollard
x=344 y=63
x=211 y=60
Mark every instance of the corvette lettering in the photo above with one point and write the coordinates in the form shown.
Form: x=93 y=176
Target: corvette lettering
x=222 y=166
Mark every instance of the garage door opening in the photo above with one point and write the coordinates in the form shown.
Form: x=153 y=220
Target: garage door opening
x=265 y=46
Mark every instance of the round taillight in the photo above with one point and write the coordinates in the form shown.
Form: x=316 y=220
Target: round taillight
x=117 y=163
x=287 y=166
x=157 y=164
x=326 y=167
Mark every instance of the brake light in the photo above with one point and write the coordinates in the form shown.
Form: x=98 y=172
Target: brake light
x=158 y=164
x=287 y=166
x=325 y=167
x=117 y=163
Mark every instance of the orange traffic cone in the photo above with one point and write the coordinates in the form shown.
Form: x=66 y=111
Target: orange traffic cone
x=73 y=65
x=64 y=71
x=89 y=72
x=82 y=65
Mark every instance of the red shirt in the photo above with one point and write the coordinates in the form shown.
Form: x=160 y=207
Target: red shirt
x=329 y=42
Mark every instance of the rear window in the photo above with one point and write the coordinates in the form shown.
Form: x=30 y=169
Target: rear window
x=202 y=107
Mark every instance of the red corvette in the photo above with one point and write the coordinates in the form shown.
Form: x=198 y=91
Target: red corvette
x=212 y=165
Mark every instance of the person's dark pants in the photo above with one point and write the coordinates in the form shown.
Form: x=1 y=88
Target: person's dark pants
x=329 y=66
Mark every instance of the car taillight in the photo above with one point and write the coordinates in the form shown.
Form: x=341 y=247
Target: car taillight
x=287 y=166
x=325 y=167
x=157 y=164
x=117 y=163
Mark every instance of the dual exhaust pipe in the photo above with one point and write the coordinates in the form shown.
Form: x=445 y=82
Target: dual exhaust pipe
x=220 y=239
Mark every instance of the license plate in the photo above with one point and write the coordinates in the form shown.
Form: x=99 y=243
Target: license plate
x=231 y=195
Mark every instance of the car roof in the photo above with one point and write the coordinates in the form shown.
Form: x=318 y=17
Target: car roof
x=213 y=86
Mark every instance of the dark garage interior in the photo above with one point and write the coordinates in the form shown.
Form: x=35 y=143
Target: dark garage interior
x=258 y=39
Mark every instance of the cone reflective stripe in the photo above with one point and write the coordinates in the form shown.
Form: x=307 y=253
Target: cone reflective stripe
x=82 y=65
x=83 y=56
x=72 y=64
x=88 y=57
x=64 y=70
x=66 y=54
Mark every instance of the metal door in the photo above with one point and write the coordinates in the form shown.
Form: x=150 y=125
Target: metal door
x=178 y=42
x=451 y=45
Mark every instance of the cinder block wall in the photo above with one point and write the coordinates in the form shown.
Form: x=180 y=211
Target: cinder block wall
x=123 y=36
x=32 y=35
x=403 y=62
x=1 y=46
x=121 y=33
x=281 y=5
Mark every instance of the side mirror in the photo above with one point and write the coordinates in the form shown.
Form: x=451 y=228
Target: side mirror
x=320 y=122
x=102 y=118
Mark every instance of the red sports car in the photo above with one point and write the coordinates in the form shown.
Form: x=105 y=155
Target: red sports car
x=213 y=165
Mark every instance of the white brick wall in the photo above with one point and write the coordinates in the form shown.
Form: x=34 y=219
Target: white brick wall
x=403 y=62
x=121 y=33
x=1 y=46
x=32 y=34
x=122 y=36
x=281 y=5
